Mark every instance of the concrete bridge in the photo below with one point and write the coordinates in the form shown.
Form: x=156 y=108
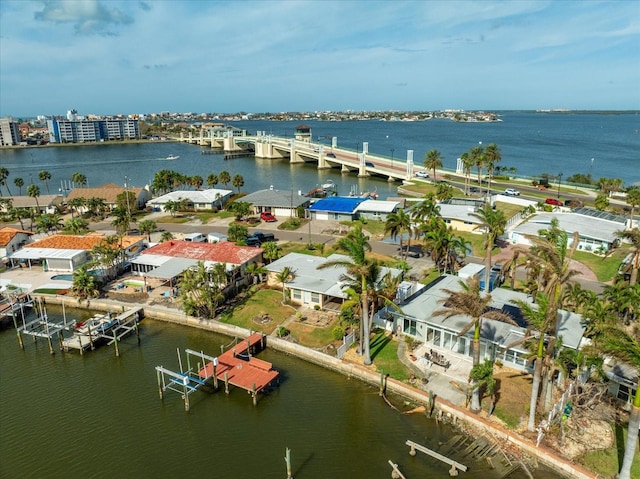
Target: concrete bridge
x=303 y=150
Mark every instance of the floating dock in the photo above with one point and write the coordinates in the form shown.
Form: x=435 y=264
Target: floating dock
x=237 y=367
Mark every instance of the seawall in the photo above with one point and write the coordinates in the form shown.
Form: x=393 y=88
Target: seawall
x=476 y=423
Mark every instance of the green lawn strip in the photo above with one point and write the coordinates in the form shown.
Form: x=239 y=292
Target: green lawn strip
x=51 y=291
x=311 y=336
x=509 y=209
x=264 y=301
x=384 y=353
x=605 y=268
x=607 y=462
x=476 y=240
x=172 y=219
x=295 y=247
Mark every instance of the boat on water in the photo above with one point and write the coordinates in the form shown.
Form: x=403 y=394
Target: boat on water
x=172 y=157
x=99 y=324
x=328 y=186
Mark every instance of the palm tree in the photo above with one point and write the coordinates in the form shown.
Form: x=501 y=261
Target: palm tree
x=45 y=176
x=76 y=204
x=254 y=270
x=470 y=301
x=4 y=174
x=467 y=164
x=19 y=182
x=34 y=191
x=482 y=376
x=493 y=222
x=166 y=236
x=633 y=236
x=84 y=284
x=272 y=251
x=617 y=343
x=542 y=321
x=147 y=227
x=398 y=224
x=237 y=181
x=633 y=199
x=432 y=161
x=76 y=226
x=200 y=289
x=476 y=156
x=492 y=156
x=212 y=180
x=79 y=178
x=285 y=276
x=224 y=178
x=356 y=244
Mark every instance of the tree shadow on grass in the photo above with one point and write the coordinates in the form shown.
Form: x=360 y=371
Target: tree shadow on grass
x=378 y=344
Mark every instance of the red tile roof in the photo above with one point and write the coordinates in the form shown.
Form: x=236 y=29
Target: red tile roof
x=224 y=252
x=86 y=242
x=7 y=234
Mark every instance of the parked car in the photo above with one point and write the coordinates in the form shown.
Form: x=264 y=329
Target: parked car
x=330 y=155
x=553 y=201
x=511 y=192
x=268 y=217
x=257 y=238
x=422 y=174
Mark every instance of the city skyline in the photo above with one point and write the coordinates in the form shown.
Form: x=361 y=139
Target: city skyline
x=121 y=57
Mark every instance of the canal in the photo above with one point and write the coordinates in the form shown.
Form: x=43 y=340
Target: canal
x=98 y=415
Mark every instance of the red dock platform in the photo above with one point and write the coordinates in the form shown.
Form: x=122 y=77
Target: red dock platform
x=239 y=367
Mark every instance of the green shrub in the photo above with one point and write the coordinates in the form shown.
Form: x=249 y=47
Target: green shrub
x=338 y=332
x=282 y=332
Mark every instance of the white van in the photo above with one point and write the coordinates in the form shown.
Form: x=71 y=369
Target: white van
x=195 y=237
x=216 y=238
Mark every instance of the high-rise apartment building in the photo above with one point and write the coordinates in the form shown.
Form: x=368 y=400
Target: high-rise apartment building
x=80 y=131
x=9 y=131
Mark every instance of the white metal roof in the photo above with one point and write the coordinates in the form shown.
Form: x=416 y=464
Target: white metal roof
x=45 y=253
x=379 y=206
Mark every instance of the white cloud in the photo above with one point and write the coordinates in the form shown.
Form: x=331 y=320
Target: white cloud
x=87 y=16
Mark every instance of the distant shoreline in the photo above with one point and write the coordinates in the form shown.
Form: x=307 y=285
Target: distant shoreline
x=86 y=143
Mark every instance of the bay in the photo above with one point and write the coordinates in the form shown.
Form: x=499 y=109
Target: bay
x=100 y=416
x=533 y=143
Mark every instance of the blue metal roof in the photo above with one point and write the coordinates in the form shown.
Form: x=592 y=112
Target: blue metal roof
x=337 y=204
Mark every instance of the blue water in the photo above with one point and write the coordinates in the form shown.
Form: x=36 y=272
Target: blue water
x=62 y=277
x=533 y=143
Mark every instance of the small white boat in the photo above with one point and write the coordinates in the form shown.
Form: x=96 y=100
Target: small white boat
x=172 y=157
x=329 y=185
x=99 y=324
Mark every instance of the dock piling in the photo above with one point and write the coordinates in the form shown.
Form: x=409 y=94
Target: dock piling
x=160 y=389
x=226 y=382
x=115 y=343
x=287 y=460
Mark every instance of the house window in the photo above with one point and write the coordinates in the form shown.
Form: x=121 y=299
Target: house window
x=296 y=294
x=433 y=336
x=315 y=298
x=410 y=327
x=623 y=393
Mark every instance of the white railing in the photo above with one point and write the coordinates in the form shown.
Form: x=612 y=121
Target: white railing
x=347 y=341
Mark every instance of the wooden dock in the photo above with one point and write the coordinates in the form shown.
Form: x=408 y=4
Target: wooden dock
x=65 y=332
x=237 y=367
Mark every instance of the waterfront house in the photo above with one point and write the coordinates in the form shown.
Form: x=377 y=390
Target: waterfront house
x=337 y=208
x=197 y=200
x=417 y=321
x=66 y=253
x=596 y=229
x=109 y=193
x=43 y=203
x=12 y=239
x=313 y=287
x=377 y=209
x=280 y=203
x=165 y=262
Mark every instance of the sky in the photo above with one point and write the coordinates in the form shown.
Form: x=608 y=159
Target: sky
x=110 y=57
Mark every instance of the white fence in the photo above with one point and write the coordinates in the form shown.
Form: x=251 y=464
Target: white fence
x=347 y=341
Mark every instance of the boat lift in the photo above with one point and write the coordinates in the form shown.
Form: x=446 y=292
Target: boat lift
x=186 y=382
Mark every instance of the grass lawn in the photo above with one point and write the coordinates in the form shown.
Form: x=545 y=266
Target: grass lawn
x=608 y=462
x=311 y=336
x=476 y=240
x=604 y=268
x=384 y=354
x=173 y=219
x=512 y=386
x=261 y=302
x=302 y=248
x=509 y=210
